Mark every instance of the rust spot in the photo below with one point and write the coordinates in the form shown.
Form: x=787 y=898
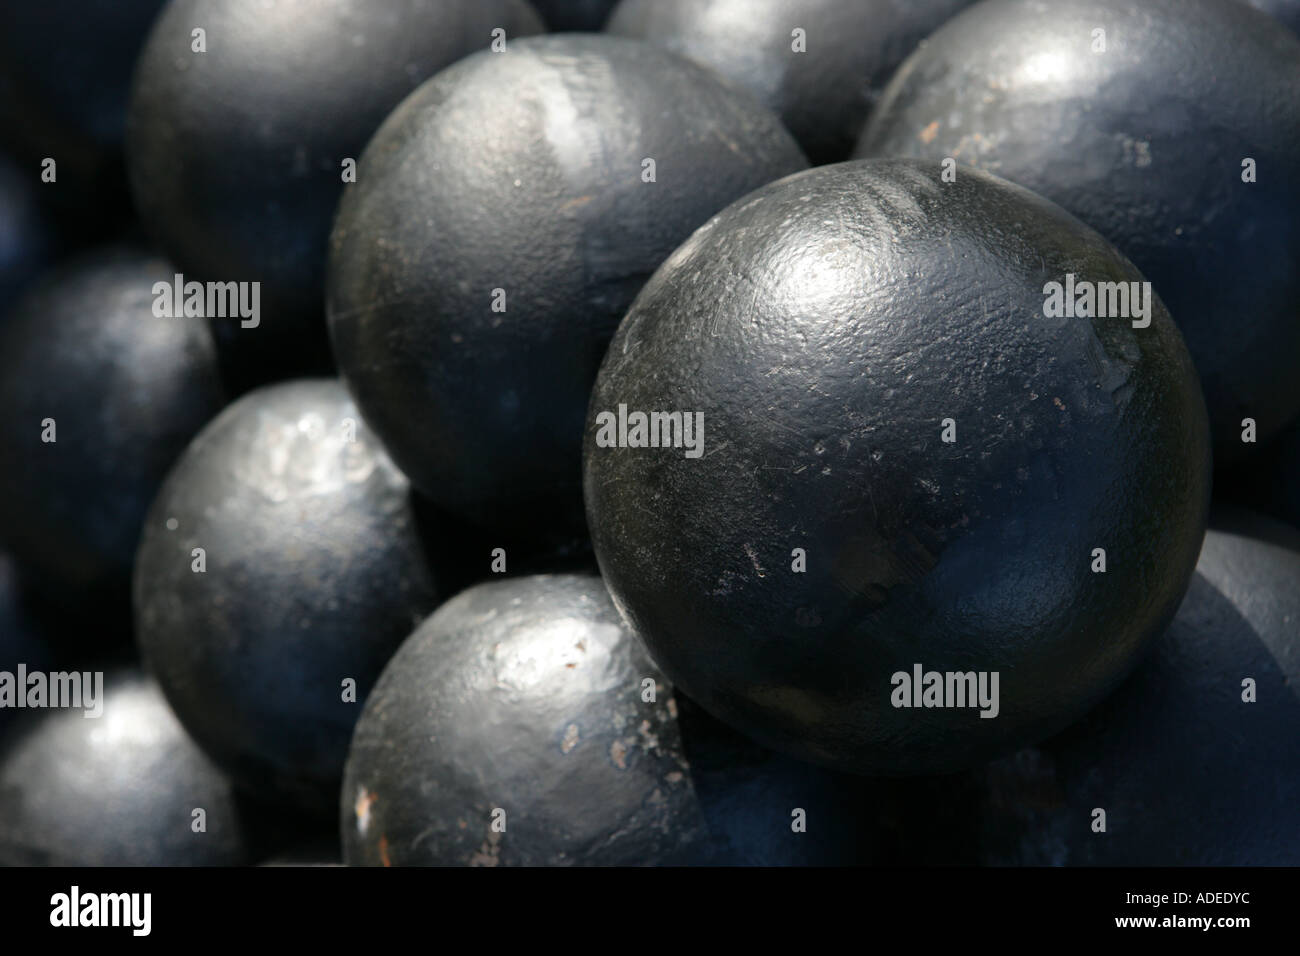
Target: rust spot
x=577 y=202
x=570 y=665
x=570 y=738
x=365 y=799
x=928 y=134
x=383 y=851
x=489 y=852
x=582 y=646
x=618 y=754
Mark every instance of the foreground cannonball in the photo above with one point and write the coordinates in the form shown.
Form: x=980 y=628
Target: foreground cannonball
x=279 y=568
x=1192 y=173
x=238 y=154
x=118 y=789
x=1195 y=760
x=504 y=217
x=522 y=724
x=896 y=464
x=98 y=396
x=519 y=703
x=820 y=64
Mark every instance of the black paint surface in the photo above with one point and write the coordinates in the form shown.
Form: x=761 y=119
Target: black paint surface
x=1145 y=143
x=825 y=327
x=525 y=695
x=314 y=575
x=523 y=172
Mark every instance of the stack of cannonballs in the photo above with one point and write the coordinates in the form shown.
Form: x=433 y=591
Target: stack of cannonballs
x=718 y=432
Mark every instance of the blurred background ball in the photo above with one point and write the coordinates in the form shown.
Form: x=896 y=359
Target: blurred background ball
x=100 y=394
x=236 y=153
x=26 y=242
x=311 y=573
x=1188 y=770
x=118 y=789
x=65 y=77
x=819 y=64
